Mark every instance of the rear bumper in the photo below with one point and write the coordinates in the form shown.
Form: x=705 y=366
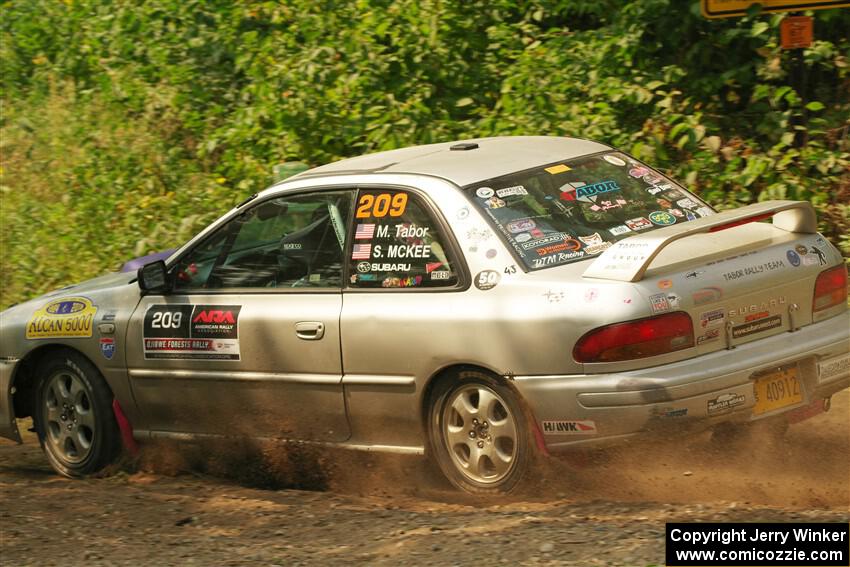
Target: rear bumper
x=8 y=426
x=596 y=409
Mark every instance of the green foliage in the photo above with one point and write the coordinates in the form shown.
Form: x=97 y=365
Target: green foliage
x=127 y=126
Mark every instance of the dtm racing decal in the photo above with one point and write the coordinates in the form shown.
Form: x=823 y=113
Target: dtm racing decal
x=66 y=318
x=198 y=332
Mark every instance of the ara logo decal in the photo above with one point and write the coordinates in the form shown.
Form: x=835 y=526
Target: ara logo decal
x=571 y=427
x=214 y=316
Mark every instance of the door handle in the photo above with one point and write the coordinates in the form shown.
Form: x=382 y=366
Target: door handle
x=310 y=330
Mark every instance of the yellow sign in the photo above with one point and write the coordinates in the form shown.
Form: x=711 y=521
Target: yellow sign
x=62 y=318
x=736 y=8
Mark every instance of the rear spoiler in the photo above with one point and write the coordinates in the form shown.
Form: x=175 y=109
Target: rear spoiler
x=628 y=259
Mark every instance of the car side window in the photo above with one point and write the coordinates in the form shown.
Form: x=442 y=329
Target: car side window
x=397 y=243
x=287 y=242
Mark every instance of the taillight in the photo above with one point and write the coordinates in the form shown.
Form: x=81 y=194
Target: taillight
x=830 y=288
x=636 y=339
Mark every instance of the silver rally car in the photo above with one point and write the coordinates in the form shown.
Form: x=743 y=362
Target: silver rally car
x=482 y=302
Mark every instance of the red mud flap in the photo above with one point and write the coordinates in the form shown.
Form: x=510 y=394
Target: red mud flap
x=538 y=438
x=126 y=429
x=817 y=407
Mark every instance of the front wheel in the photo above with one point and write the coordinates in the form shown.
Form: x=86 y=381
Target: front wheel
x=73 y=417
x=478 y=433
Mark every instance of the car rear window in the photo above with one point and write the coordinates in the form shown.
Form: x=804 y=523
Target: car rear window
x=573 y=210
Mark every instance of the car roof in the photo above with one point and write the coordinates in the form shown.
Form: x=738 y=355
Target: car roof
x=492 y=157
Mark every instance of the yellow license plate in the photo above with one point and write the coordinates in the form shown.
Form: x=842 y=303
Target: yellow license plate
x=777 y=390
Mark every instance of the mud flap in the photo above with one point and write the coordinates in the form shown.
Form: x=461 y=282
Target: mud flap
x=126 y=429
x=8 y=424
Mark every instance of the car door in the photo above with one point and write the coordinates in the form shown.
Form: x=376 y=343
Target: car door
x=248 y=343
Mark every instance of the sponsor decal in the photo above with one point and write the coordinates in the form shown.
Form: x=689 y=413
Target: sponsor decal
x=555 y=296
x=520 y=225
x=555 y=169
x=196 y=332
x=361 y=252
x=66 y=318
x=522 y=237
x=687 y=203
x=704 y=211
x=569 y=244
x=638 y=172
x=440 y=275
x=755 y=270
x=594 y=244
x=618 y=230
x=510 y=191
x=364 y=231
x=410 y=281
x=366 y=277
x=108 y=316
x=819 y=253
x=665 y=284
x=614 y=160
x=292 y=246
x=431 y=266
x=494 y=203
x=664 y=203
x=487 y=279
x=389 y=267
x=478 y=234
x=809 y=260
x=669 y=412
x=674 y=300
x=757 y=326
x=363 y=267
x=491 y=253
x=639 y=223
x=107 y=347
x=801 y=250
x=662 y=218
x=536 y=233
x=767 y=305
x=793 y=258
x=571 y=193
x=725 y=402
x=484 y=192
x=608 y=205
x=677 y=213
x=712 y=318
x=830 y=368
x=709 y=335
x=756 y=316
x=671 y=193
x=557 y=237
x=569 y=427
x=653 y=179
x=654 y=190
x=659 y=303
x=694 y=274
x=707 y=295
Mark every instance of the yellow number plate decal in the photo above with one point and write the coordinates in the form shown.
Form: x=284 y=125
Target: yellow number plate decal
x=777 y=390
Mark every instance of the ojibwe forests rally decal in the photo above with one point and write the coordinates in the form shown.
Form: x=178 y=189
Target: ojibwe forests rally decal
x=198 y=332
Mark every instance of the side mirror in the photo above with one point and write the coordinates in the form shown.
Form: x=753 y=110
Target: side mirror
x=153 y=277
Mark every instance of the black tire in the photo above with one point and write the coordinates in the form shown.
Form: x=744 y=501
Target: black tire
x=490 y=455
x=73 y=416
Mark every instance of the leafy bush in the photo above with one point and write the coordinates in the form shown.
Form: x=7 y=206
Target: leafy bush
x=127 y=126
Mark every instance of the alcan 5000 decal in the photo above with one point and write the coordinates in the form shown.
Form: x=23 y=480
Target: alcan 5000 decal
x=201 y=332
x=69 y=317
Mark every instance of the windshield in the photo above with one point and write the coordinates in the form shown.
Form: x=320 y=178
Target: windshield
x=575 y=209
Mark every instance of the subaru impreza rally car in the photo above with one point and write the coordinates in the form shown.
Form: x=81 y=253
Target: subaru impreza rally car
x=479 y=302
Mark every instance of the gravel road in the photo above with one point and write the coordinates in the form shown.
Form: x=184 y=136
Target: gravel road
x=177 y=506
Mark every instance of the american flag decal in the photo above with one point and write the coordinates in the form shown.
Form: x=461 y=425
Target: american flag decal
x=361 y=252
x=364 y=232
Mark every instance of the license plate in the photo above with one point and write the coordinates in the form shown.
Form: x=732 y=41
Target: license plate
x=833 y=367
x=777 y=390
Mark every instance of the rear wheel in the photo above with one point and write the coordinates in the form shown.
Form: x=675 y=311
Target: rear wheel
x=73 y=416
x=478 y=433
